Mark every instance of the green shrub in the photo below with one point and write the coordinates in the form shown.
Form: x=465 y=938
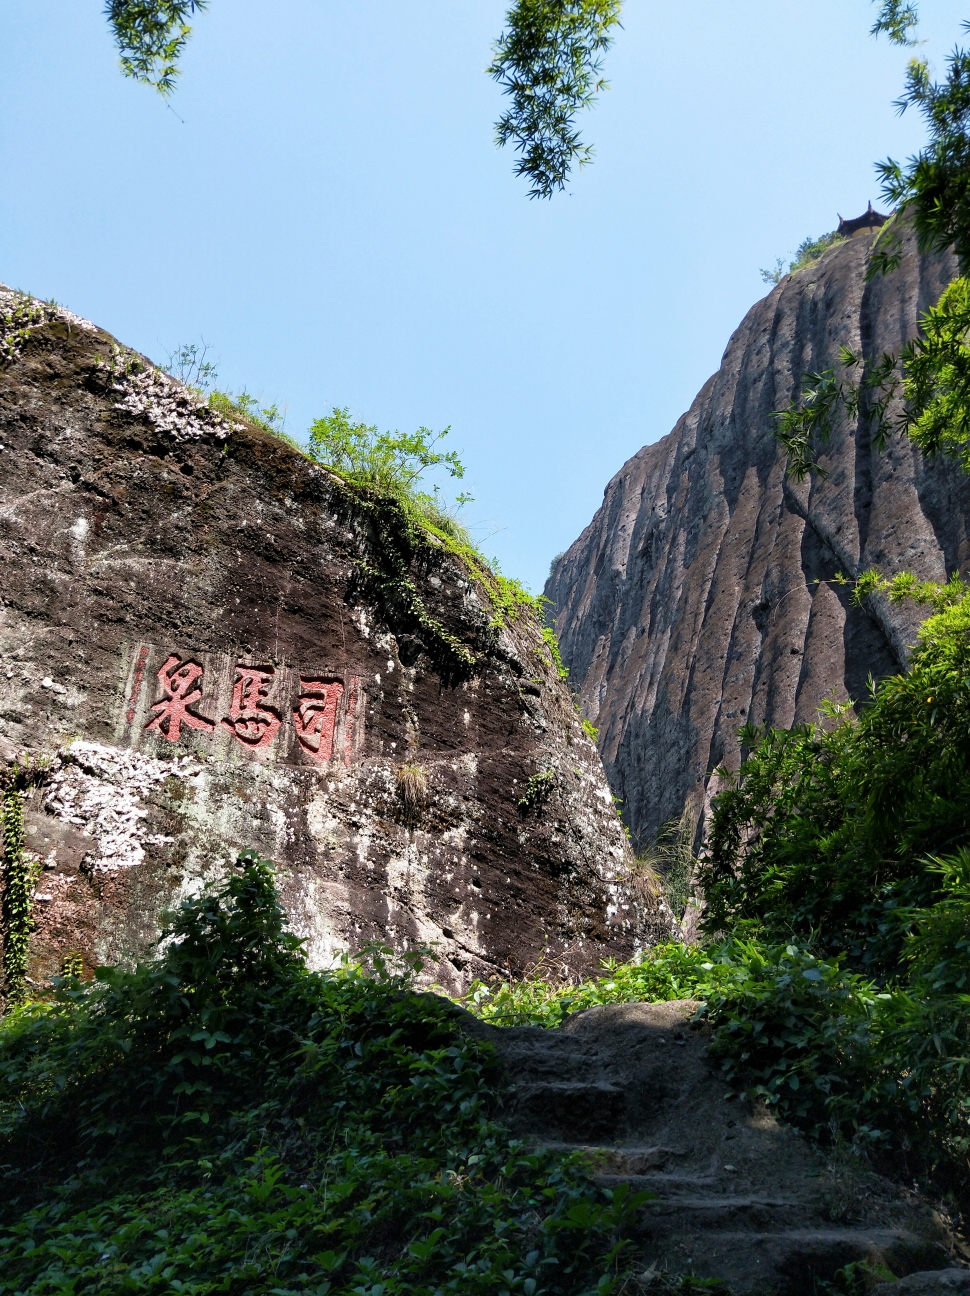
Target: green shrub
x=668 y=971
x=809 y=251
x=224 y=1120
x=825 y=831
x=392 y=463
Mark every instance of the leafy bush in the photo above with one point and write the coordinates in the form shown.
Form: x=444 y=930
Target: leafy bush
x=840 y=865
x=668 y=971
x=390 y=462
x=223 y=1120
x=809 y=251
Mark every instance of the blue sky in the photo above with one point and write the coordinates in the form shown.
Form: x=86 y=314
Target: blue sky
x=323 y=203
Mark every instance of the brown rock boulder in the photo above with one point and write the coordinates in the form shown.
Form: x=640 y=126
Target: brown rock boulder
x=218 y=644
x=699 y=598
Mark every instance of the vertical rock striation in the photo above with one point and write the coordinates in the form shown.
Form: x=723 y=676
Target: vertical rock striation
x=699 y=597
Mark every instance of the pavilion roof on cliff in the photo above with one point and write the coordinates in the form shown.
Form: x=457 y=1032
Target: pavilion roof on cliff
x=870 y=219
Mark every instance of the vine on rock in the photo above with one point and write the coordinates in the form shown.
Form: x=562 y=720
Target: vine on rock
x=387 y=577
x=20 y=872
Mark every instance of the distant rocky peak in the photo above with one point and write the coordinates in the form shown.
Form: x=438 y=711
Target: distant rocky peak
x=700 y=596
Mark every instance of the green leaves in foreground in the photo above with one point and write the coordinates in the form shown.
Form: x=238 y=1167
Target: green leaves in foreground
x=224 y=1120
x=548 y=62
x=151 y=35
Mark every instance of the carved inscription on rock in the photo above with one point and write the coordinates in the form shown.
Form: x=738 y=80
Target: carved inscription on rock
x=233 y=707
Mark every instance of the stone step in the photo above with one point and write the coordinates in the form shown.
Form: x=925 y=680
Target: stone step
x=626 y=1160
x=789 y=1261
x=734 y=1194
x=589 y=1112
x=935 y=1282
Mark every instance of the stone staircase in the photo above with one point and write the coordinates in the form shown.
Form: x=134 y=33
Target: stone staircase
x=736 y=1195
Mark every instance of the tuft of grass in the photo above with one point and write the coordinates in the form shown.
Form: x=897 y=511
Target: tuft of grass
x=671 y=859
x=412 y=788
x=537 y=791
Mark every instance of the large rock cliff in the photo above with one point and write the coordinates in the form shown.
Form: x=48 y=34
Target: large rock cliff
x=699 y=598
x=212 y=643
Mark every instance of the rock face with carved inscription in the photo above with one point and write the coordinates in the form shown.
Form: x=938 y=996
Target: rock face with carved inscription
x=218 y=644
x=700 y=597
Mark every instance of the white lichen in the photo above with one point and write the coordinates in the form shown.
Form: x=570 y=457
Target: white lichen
x=20 y=314
x=101 y=790
x=147 y=392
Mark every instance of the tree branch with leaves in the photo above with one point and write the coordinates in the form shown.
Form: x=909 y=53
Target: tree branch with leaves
x=548 y=61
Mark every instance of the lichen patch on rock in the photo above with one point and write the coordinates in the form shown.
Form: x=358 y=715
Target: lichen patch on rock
x=102 y=791
x=149 y=393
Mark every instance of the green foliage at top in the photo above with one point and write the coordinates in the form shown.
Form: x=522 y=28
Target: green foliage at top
x=390 y=462
x=809 y=251
x=224 y=1120
x=935 y=183
x=151 y=35
x=897 y=19
x=549 y=61
x=385 y=470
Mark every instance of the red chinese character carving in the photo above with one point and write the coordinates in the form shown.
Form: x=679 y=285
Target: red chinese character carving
x=136 y=684
x=254 y=724
x=177 y=678
x=316 y=717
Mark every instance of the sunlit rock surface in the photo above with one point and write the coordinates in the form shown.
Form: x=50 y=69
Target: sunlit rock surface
x=190 y=634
